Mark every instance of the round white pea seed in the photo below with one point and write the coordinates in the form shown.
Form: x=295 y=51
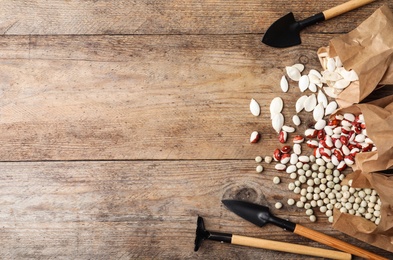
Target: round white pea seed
x=348 y=205
x=343 y=210
x=364 y=204
x=336 y=180
x=308 y=173
x=314 y=175
x=302 y=179
x=377 y=207
x=303 y=199
x=301 y=172
x=313 y=218
x=329 y=213
x=296 y=190
x=293 y=175
x=373 y=198
x=310 y=182
x=307 y=205
x=299 y=204
x=303 y=192
x=291 y=186
x=330 y=219
x=310 y=189
x=337 y=187
x=291 y=202
x=336 y=173
x=309 y=212
x=367 y=191
x=259 y=168
x=278 y=205
x=361 y=210
x=351 y=211
x=377 y=221
x=323 y=209
x=321 y=169
x=314 y=167
x=309 y=196
x=317 y=181
x=306 y=167
x=313 y=203
x=330 y=165
x=268 y=159
x=361 y=194
x=328 y=172
x=299 y=165
x=297 y=183
x=330 y=206
x=319 y=203
x=368 y=215
x=258 y=159
x=276 y=180
x=355 y=206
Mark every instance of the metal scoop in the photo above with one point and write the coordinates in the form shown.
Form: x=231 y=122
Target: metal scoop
x=285 y=32
x=203 y=234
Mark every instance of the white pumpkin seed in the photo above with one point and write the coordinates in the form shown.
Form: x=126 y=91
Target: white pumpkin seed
x=318 y=112
x=276 y=105
x=330 y=108
x=314 y=78
x=331 y=75
x=284 y=84
x=331 y=64
x=296 y=120
x=304 y=82
x=321 y=98
x=310 y=103
x=278 y=122
x=341 y=84
x=330 y=92
x=338 y=61
x=315 y=73
x=300 y=103
x=254 y=107
x=312 y=87
x=299 y=66
x=293 y=73
x=348 y=75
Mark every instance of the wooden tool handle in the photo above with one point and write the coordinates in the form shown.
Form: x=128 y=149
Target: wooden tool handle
x=288 y=247
x=335 y=243
x=345 y=7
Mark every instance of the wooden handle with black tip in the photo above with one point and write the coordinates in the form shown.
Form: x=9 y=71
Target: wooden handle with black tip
x=288 y=247
x=335 y=243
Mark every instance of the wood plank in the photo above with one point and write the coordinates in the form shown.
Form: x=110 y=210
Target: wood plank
x=138 y=210
x=165 y=17
x=141 y=97
x=167 y=97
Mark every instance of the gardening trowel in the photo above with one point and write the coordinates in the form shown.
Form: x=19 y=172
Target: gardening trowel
x=285 y=32
x=260 y=215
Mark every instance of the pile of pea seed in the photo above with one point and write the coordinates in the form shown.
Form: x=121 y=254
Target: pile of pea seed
x=318 y=185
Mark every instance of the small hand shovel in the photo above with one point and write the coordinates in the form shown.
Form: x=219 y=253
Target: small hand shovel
x=260 y=215
x=285 y=32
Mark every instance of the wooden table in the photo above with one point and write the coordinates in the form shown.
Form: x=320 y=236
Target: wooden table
x=122 y=121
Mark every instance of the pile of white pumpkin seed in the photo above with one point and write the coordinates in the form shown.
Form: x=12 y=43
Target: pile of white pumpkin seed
x=317 y=179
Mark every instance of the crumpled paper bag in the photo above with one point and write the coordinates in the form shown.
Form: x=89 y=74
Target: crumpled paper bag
x=378 y=116
x=368 y=50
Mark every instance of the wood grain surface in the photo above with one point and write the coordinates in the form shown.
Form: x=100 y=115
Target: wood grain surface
x=122 y=121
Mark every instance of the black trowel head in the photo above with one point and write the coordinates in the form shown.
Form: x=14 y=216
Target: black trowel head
x=285 y=32
x=256 y=214
x=201 y=233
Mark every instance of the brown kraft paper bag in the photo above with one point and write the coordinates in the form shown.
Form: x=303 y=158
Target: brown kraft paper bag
x=368 y=50
x=378 y=116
